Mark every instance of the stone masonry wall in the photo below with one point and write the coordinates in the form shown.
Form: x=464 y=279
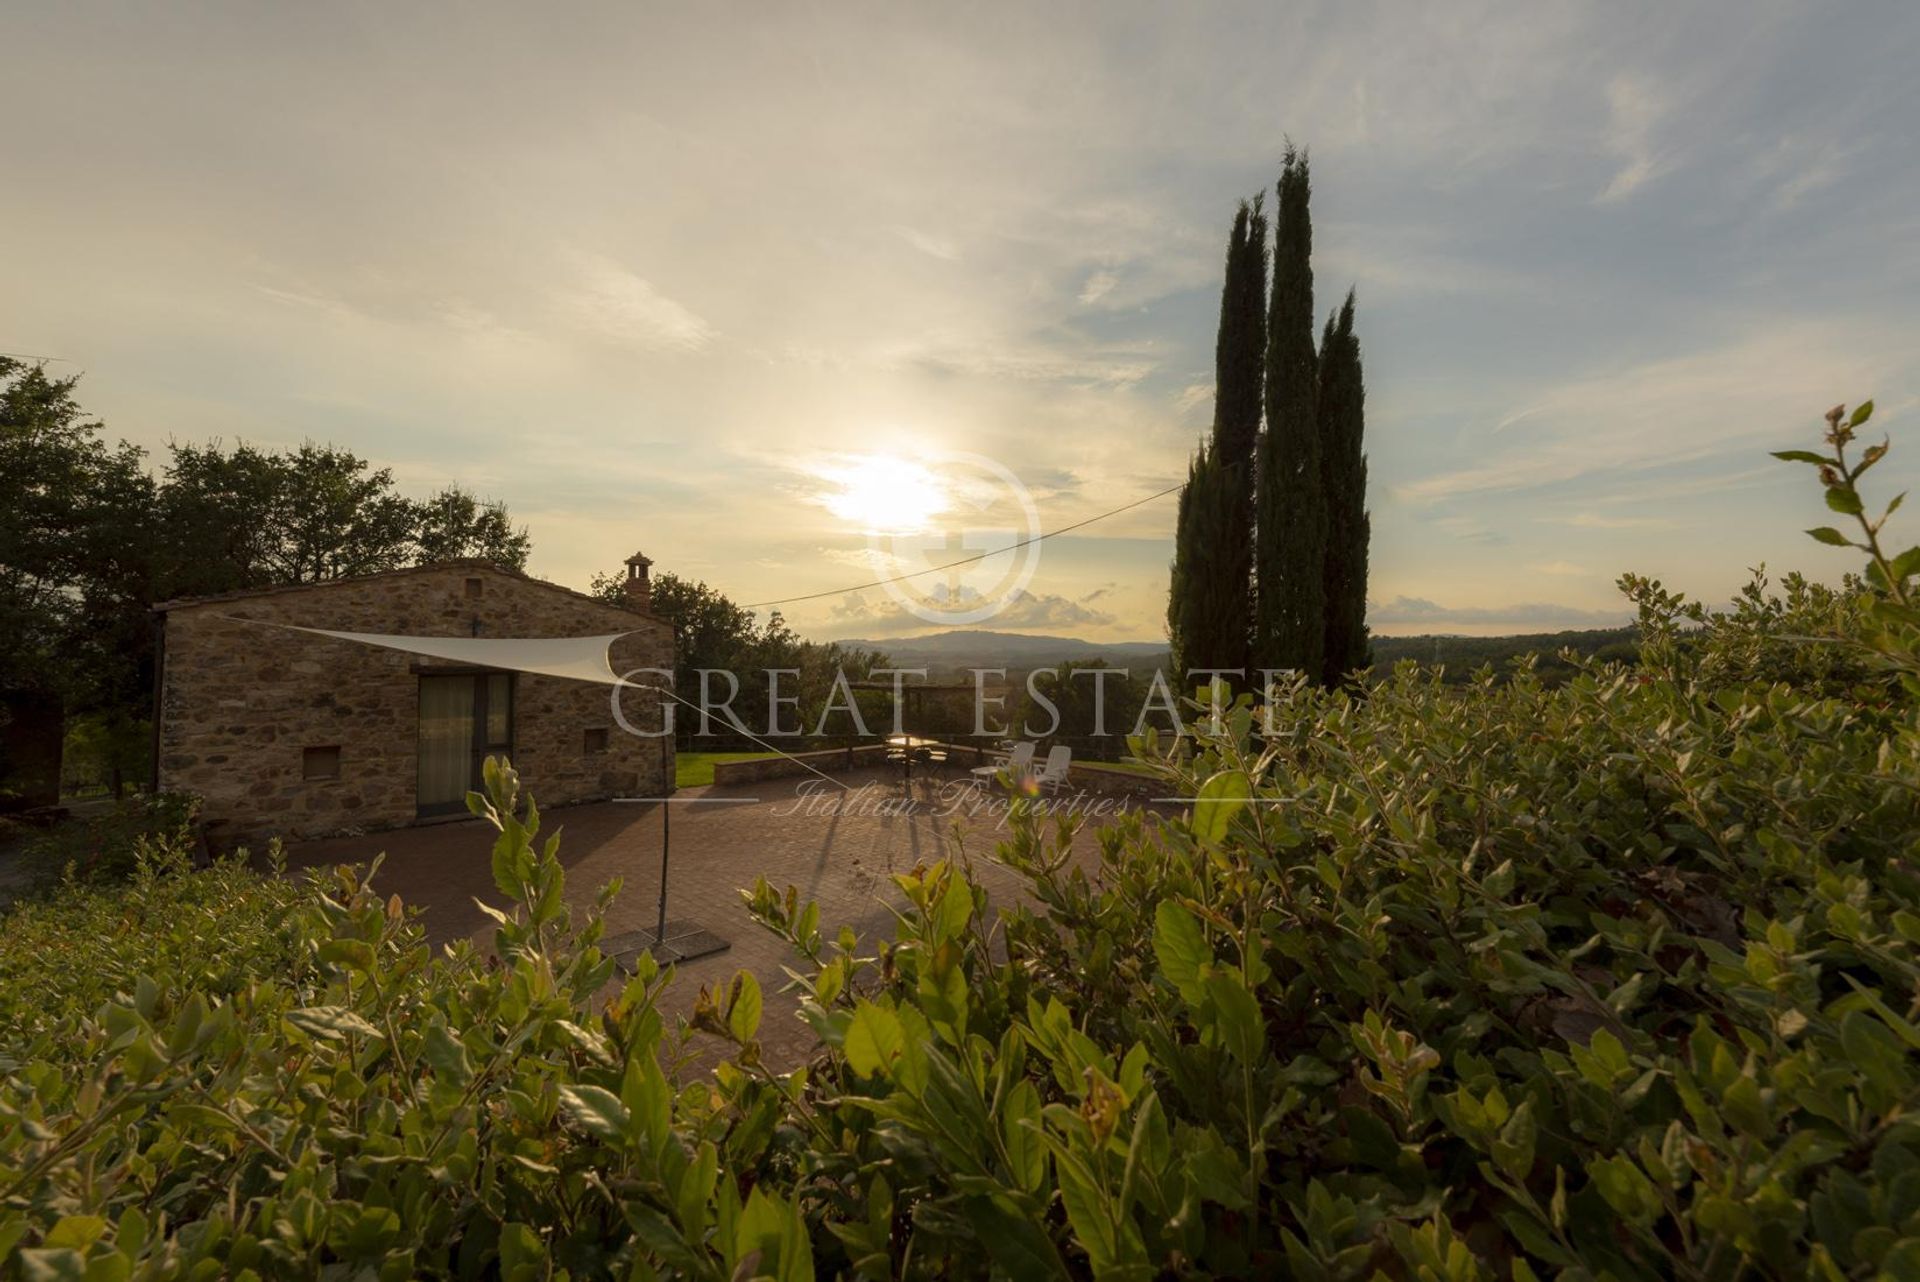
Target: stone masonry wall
x=241 y=702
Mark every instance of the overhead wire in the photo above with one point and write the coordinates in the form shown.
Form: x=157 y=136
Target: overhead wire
x=968 y=560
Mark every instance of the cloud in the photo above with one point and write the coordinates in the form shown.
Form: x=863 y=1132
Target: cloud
x=1193 y=396
x=1100 y=366
x=1635 y=108
x=1723 y=400
x=1396 y=260
x=612 y=303
x=1598 y=521
x=929 y=244
x=1023 y=612
x=866 y=559
x=1098 y=286
x=1410 y=613
x=1041 y=611
x=1473 y=530
x=1559 y=568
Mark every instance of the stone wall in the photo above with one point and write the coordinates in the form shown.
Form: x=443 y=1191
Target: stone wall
x=241 y=703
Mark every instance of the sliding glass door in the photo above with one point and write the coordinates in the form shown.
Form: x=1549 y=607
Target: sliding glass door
x=463 y=718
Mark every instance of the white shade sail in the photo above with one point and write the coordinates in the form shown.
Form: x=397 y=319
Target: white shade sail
x=569 y=658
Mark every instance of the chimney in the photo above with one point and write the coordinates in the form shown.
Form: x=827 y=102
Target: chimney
x=639 y=587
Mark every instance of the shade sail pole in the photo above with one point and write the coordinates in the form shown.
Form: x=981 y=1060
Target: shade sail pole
x=668 y=941
x=666 y=853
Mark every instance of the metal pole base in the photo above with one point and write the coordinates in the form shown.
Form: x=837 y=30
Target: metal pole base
x=683 y=941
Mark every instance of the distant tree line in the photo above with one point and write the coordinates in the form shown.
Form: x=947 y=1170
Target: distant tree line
x=1270 y=548
x=712 y=633
x=91 y=536
x=1461 y=657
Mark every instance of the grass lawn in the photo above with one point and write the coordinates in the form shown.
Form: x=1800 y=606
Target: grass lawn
x=692 y=769
x=1121 y=767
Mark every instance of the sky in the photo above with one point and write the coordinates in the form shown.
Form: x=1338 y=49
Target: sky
x=776 y=293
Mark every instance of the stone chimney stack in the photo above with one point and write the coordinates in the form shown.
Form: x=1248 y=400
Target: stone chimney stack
x=639 y=586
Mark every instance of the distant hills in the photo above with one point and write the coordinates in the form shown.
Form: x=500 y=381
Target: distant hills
x=961 y=649
x=979 y=648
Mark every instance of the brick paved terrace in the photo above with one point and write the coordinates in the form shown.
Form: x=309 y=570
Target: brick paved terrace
x=838 y=847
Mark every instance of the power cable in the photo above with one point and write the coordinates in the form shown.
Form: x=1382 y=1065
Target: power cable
x=968 y=560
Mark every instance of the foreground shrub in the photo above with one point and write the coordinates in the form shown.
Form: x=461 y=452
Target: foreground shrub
x=1611 y=980
x=214 y=931
x=110 y=845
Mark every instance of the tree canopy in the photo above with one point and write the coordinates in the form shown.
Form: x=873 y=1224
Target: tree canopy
x=91 y=537
x=710 y=632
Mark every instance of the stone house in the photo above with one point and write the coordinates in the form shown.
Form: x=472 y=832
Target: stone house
x=285 y=733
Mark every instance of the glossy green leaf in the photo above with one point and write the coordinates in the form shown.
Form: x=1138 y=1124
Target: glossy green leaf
x=1181 y=949
x=1216 y=804
x=874 y=1040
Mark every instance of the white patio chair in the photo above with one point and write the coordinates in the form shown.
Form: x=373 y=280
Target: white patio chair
x=1053 y=775
x=1016 y=763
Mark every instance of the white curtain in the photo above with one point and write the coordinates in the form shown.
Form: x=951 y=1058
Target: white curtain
x=446 y=739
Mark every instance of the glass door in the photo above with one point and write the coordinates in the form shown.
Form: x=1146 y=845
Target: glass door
x=493 y=719
x=463 y=718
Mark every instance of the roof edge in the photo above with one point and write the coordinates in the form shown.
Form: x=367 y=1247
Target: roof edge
x=458 y=563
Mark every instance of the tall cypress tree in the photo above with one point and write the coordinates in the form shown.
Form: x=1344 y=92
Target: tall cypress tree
x=1343 y=467
x=1291 y=531
x=1239 y=370
x=1210 y=599
x=1205 y=624
x=1240 y=352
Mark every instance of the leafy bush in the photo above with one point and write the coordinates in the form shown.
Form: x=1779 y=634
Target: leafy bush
x=213 y=931
x=112 y=844
x=1768 y=638
x=1615 y=979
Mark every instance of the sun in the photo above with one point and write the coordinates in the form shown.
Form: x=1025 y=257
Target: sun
x=883 y=493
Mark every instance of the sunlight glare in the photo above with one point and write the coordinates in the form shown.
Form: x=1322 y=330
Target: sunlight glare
x=884 y=494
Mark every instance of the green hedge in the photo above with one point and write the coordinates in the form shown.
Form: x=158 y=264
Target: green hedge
x=1616 y=979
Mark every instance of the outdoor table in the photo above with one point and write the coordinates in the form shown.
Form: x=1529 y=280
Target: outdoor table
x=909 y=747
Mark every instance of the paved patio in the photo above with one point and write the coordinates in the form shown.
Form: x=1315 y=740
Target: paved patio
x=838 y=847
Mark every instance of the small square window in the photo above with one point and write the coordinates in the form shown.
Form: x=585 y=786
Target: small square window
x=320 y=763
x=473 y=587
x=596 y=742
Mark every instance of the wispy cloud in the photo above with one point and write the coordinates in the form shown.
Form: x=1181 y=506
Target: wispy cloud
x=1654 y=414
x=1098 y=286
x=611 y=303
x=1635 y=108
x=1598 y=521
x=929 y=244
x=874 y=614
x=1405 y=613
x=1193 y=396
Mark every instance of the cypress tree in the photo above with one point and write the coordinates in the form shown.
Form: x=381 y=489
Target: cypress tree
x=1239 y=371
x=1343 y=419
x=1210 y=600
x=1240 y=353
x=1291 y=517
x=1204 y=623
